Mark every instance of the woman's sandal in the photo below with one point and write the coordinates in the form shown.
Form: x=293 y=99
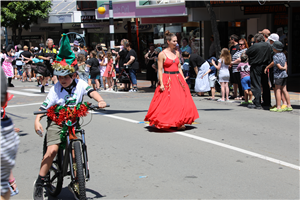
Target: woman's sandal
x=13 y=188
x=181 y=128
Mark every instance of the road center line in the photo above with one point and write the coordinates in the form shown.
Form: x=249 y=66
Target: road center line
x=263 y=157
x=273 y=160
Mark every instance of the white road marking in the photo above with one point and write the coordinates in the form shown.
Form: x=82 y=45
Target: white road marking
x=30 y=104
x=263 y=157
x=24 y=93
x=36 y=90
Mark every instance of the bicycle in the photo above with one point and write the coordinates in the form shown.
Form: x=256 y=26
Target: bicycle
x=64 y=160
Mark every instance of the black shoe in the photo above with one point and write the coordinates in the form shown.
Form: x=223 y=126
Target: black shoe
x=11 y=85
x=43 y=89
x=251 y=106
x=38 y=191
x=266 y=105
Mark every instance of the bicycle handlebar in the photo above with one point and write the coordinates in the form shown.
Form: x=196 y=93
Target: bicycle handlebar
x=92 y=107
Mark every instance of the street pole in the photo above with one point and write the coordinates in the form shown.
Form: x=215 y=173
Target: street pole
x=111 y=26
x=6 y=37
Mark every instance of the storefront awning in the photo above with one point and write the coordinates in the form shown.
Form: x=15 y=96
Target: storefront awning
x=123 y=10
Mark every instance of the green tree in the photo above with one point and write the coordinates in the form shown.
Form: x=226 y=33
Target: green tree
x=19 y=15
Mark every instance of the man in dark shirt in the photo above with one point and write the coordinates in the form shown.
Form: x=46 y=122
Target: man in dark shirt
x=234 y=40
x=26 y=56
x=259 y=58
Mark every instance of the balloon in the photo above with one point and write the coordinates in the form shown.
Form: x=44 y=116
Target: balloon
x=101 y=10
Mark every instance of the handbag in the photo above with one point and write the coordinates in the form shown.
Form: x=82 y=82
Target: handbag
x=124 y=77
x=40 y=68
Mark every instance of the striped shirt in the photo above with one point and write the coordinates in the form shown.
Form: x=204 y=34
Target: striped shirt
x=9 y=146
x=236 y=56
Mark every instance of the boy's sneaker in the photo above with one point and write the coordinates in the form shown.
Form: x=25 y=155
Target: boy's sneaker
x=38 y=191
x=74 y=189
x=245 y=103
x=250 y=101
x=133 y=90
x=276 y=110
x=273 y=107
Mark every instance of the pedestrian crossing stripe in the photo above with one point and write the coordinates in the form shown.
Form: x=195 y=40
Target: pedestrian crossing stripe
x=25 y=93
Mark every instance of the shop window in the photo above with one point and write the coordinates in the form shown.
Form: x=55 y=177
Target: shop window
x=86 y=5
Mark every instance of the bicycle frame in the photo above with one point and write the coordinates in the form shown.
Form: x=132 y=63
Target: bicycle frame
x=67 y=157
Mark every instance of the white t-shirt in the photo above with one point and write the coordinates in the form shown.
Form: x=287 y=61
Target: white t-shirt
x=59 y=96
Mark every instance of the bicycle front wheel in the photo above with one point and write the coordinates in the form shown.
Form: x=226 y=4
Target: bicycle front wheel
x=79 y=170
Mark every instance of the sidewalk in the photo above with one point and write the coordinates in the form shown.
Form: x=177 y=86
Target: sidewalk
x=293 y=88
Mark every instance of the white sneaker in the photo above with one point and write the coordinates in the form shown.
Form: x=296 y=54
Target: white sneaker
x=133 y=90
x=38 y=191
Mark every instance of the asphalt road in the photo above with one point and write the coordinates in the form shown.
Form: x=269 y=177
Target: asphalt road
x=230 y=152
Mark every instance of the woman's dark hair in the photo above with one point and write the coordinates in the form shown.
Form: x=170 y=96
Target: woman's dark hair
x=81 y=58
x=235 y=37
x=75 y=48
x=185 y=40
x=9 y=47
x=259 y=37
x=169 y=35
x=128 y=44
x=93 y=53
x=185 y=54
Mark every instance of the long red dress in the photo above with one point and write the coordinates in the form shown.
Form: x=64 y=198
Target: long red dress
x=174 y=106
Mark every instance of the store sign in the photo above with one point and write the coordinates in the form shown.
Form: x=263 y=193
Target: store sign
x=49 y=28
x=88 y=18
x=60 y=19
x=84 y=25
x=129 y=10
x=248 y=10
x=142 y=27
x=29 y=37
x=164 y=20
x=194 y=4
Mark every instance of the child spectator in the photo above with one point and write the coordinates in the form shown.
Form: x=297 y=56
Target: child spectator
x=103 y=63
x=186 y=69
x=83 y=71
x=244 y=69
x=223 y=67
x=93 y=64
x=109 y=72
x=212 y=72
x=280 y=77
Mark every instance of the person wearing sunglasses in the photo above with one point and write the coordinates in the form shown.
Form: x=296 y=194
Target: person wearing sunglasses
x=236 y=79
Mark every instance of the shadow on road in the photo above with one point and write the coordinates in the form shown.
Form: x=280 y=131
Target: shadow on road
x=215 y=109
x=18 y=116
x=122 y=111
x=172 y=129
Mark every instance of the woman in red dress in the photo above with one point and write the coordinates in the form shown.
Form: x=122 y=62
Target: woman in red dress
x=172 y=104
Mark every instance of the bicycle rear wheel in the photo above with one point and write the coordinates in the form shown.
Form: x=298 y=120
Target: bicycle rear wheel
x=79 y=170
x=54 y=179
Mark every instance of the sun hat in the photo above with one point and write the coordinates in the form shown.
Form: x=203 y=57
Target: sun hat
x=274 y=37
x=65 y=60
x=76 y=43
x=277 y=45
x=36 y=48
x=266 y=32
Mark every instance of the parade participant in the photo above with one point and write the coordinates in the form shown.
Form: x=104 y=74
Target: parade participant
x=172 y=104
x=48 y=55
x=9 y=146
x=69 y=91
x=7 y=67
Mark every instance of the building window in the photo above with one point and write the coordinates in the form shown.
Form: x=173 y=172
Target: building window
x=86 y=5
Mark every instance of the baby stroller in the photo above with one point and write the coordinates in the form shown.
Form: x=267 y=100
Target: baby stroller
x=123 y=78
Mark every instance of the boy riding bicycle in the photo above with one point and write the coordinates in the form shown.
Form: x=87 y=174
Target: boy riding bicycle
x=69 y=91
